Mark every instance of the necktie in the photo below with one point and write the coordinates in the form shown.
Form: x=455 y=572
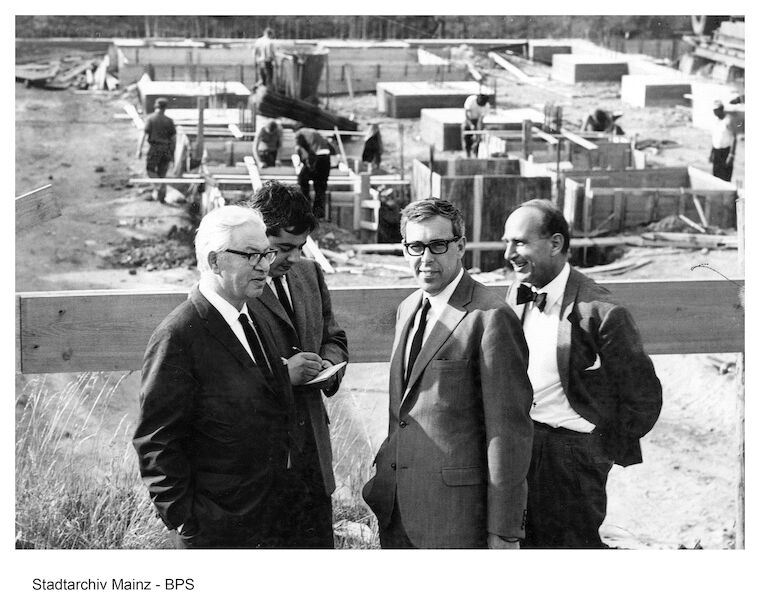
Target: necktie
x=283 y=297
x=526 y=294
x=253 y=336
x=417 y=339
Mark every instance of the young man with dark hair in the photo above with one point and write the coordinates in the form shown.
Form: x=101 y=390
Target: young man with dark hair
x=296 y=303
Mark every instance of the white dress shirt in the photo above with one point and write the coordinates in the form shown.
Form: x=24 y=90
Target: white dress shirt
x=438 y=304
x=550 y=404
x=228 y=312
x=270 y=282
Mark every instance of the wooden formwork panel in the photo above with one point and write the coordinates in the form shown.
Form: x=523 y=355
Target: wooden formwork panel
x=597 y=202
x=363 y=77
x=577 y=68
x=654 y=91
x=407 y=99
x=544 y=52
x=185 y=94
x=608 y=155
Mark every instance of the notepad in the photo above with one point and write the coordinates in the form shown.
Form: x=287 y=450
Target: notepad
x=326 y=373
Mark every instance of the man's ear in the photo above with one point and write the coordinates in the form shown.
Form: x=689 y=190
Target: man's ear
x=461 y=243
x=213 y=261
x=558 y=242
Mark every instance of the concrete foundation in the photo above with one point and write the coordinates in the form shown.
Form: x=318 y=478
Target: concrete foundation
x=406 y=100
x=578 y=68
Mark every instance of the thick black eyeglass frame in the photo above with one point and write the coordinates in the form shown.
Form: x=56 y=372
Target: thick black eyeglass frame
x=441 y=246
x=270 y=255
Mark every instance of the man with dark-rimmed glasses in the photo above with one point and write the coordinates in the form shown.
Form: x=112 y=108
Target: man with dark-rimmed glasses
x=214 y=436
x=451 y=473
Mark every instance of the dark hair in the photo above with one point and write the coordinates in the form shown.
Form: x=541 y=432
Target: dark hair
x=162 y=102
x=552 y=220
x=420 y=210
x=283 y=206
x=481 y=99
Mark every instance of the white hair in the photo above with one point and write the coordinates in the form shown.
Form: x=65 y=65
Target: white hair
x=216 y=227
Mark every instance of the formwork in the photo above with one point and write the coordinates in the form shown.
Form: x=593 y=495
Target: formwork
x=182 y=94
x=611 y=201
x=406 y=100
x=544 y=50
x=442 y=128
x=579 y=68
x=654 y=91
x=485 y=190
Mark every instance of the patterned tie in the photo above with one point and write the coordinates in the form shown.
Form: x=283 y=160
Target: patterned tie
x=526 y=294
x=283 y=297
x=253 y=335
x=417 y=339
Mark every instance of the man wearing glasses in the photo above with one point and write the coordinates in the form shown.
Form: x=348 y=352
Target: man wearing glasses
x=297 y=305
x=451 y=473
x=213 y=437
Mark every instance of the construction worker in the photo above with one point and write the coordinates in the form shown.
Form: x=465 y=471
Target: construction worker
x=162 y=137
x=603 y=121
x=267 y=143
x=723 y=143
x=263 y=55
x=313 y=151
x=475 y=109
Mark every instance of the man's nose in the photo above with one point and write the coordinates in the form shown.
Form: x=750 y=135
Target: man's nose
x=509 y=250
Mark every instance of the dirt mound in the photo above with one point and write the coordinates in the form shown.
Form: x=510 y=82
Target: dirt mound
x=173 y=250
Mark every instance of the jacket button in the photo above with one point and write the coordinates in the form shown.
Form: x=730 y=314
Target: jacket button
x=302 y=423
x=402 y=423
x=393 y=466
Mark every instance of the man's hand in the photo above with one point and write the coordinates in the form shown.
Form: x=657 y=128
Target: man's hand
x=729 y=159
x=497 y=543
x=304 y=366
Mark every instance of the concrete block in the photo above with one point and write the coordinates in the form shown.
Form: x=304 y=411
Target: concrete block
x=651 y=91
x=577 y=68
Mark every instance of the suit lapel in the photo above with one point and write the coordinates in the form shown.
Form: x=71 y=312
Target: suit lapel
x=406 y=317
x=519 y=309
x=269 y=299
x=219 y=329
x=564 y=332
x=451 y=316
x=297 y=288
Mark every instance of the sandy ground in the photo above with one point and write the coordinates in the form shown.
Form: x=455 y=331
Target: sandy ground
x=683 y=494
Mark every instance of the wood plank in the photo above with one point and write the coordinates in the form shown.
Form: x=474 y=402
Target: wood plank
x=36 y=207
x=72 y=331
x=253 y=172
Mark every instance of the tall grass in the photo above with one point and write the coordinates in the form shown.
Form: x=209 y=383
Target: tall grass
x=77 y=484
x=77 y=479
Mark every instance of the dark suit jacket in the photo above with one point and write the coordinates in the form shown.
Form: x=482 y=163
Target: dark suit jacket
x=316 y=331
x=212 y=434
x=460 y=435
x=606 y=375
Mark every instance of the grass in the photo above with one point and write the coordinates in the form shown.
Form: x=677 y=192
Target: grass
x=77 y=480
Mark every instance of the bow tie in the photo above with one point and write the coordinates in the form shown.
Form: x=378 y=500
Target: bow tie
x=526 y=294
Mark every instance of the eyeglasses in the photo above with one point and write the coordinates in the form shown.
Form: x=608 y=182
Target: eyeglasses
x=254 y=258
x=436 y=246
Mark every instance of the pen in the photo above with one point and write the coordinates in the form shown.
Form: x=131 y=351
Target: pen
x=295 y=349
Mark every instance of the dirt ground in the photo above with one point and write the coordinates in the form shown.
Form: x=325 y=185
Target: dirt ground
x=683 y=494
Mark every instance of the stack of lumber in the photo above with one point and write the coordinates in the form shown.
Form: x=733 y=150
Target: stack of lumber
x=58 y=74
x=274 y=105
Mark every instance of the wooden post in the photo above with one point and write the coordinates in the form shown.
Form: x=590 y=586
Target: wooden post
x=740 y=501
x=477 y=216
x=401 y=148
x=527 y=128
x=327 y=79
x=199 y=142
x=361 y=192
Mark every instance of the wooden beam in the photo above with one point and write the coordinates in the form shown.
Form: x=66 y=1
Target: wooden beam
x=36 y=207
x=253 y=172
x=136 y=119
x=578 y=140
x=73 y=331
x=509 y=67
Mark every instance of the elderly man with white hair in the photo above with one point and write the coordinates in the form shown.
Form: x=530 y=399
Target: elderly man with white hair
x=216 y=406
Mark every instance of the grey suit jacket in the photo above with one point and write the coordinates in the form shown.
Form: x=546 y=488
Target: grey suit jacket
x=606 y=375
x=315 y=330
x=460 y=435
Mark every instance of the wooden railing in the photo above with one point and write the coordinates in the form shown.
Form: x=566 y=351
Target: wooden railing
x=71 y=331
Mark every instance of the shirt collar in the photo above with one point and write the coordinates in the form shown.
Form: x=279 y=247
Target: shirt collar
x=438 y=302
x=227 y=310
x=555 y=289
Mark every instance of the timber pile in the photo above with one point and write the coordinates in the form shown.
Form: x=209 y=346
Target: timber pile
x=70 y=71
x=274 y=105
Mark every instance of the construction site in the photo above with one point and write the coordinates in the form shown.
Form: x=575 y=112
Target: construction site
x=99 y=261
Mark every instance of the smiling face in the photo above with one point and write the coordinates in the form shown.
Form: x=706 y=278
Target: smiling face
x=535 y=258
x=288 y=247
x=236 y=280
x=434 y=272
